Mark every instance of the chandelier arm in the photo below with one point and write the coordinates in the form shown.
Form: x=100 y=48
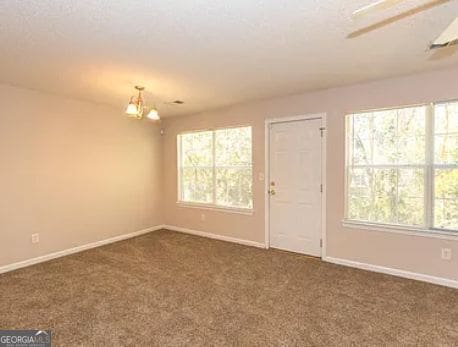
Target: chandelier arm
x=140 y=103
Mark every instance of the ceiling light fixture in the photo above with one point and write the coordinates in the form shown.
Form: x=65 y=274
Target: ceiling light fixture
x=136 y=108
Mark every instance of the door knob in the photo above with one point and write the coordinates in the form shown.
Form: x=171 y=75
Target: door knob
x=271 y=192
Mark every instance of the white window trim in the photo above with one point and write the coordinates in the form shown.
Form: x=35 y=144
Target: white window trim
x=443 y=234
x=211 y=206
x=428 y=229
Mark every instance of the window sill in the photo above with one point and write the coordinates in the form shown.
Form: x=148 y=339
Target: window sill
x=399 y=229
x=244 y=211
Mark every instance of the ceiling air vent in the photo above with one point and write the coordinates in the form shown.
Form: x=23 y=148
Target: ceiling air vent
x=174 y=103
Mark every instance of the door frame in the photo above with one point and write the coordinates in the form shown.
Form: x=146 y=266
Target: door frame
x=267 y=126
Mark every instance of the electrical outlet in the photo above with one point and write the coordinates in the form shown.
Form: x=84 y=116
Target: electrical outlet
x=35 y=238
x=446 y=254
x=202 y=217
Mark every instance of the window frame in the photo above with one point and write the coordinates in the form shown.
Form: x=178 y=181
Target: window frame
x=212 y=206
x=427 y=229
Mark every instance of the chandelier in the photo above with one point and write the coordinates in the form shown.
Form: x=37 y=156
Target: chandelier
x=136 y=108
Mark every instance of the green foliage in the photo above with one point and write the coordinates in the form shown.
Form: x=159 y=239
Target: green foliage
x=388 y=166
x=233 y=167
x=216 y=167
x=381 y=188
x=446 y=199
x=446 y=178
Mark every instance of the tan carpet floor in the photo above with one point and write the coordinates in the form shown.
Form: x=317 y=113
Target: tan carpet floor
x=171 y=289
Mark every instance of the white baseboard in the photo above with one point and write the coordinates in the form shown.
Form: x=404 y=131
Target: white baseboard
x=215 y=236
x=395 y=272
x=364 y=266
x=46 y=257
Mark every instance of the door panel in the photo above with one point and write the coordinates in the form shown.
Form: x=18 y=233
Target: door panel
x=295 y=177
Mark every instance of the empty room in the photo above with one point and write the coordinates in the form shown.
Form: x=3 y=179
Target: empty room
x=229 y=173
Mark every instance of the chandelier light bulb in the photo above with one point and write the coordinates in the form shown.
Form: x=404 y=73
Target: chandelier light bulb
x=132 y=109
x=153 y=114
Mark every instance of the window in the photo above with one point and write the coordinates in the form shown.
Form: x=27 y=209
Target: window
x=215 y=168
x=402 y=167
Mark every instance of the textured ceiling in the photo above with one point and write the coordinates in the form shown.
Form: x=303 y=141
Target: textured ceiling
x=212 y=53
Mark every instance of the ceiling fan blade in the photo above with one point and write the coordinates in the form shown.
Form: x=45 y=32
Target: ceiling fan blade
x=448 y=38
x=376 y=6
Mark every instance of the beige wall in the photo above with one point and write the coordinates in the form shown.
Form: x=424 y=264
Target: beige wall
x=74 y=172
x=78 y=172
x=411 y=253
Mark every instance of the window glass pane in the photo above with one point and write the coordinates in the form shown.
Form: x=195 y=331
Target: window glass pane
x=360 y=199
x=389 y=196
x=446 y=118
x=446 y=149
x=361 y=139
x=233 y=167
x=446 y=134
x=373 y=195
x=446 y=199
x=446 y=166
x=388 y=137
x=197 y=184
x=233 y=147
x=411 y=197
x=196 y=149
x=384 y=195
x=383 y=137
x=234 y=187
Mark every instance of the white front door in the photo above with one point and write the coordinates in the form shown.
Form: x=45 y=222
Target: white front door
x=295 y=186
